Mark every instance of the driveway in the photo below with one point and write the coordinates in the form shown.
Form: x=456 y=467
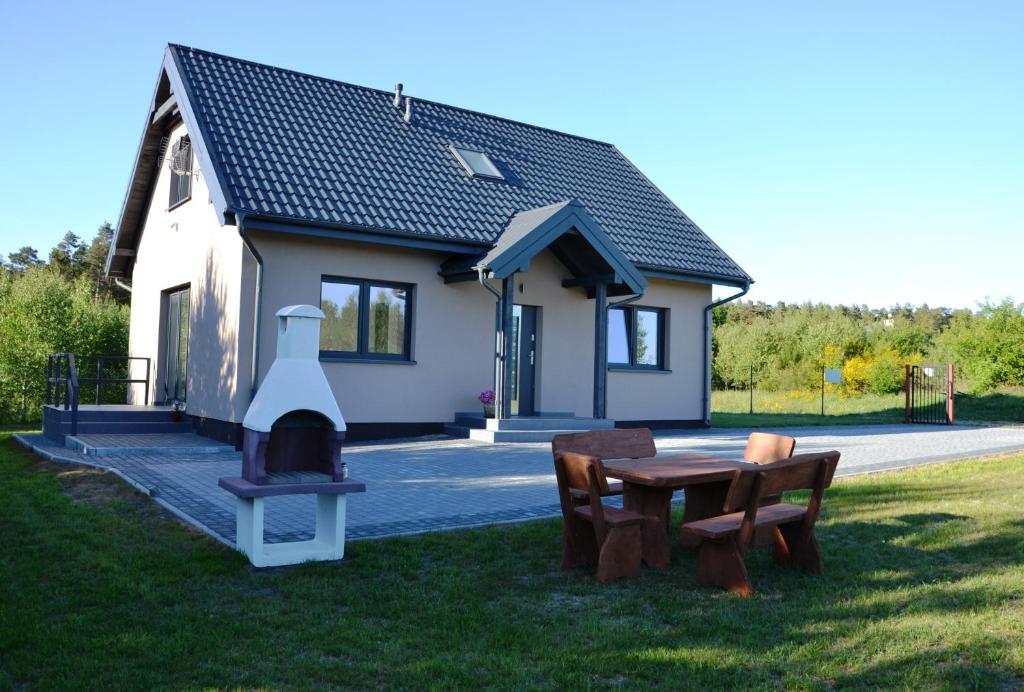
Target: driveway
x=436 y=484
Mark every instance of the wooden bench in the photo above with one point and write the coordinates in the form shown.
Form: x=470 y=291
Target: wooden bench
x=609 y=536
x=767 y=448
x=726 y=538
x=631 y=443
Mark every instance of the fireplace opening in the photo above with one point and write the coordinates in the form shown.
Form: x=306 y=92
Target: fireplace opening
x=301 y=447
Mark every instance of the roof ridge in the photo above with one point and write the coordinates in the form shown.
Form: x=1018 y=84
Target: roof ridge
x=384 y=92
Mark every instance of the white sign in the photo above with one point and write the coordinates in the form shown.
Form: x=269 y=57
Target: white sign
x=834 y=376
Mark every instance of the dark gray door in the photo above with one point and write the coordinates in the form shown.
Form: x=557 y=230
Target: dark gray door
x=176 y=345
x=524 y=365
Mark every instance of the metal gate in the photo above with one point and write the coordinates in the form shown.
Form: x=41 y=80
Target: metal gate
x=929 y=393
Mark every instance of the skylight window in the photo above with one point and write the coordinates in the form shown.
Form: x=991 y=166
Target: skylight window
x=476 y=163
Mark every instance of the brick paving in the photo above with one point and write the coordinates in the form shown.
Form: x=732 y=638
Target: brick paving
x=435 y=484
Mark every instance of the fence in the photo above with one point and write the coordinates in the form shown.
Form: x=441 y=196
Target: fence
x=819 y=396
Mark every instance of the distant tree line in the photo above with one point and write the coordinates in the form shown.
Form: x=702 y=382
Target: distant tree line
x=63 y=303
x=787 y=345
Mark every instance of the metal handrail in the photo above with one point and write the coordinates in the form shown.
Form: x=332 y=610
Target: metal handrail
x=63 y=383
x=56 y=374
x=100 y=380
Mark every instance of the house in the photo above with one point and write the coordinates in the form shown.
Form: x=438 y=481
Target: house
x=451 y=251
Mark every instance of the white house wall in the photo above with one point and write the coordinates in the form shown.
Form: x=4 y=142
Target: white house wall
x=453 y=336
x=676 y=395
x=187 y=246
x=453 y=332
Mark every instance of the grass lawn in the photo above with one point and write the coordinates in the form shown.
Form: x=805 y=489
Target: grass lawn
x=923 y=588
x=731 y=409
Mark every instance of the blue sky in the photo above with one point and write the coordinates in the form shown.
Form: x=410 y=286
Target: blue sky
x=868 y=152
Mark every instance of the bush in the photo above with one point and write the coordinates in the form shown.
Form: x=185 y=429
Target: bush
x=988 y=346
x=42 y=311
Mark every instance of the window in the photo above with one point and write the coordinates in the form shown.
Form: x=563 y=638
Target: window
x=476 y=163
x=365 y=319
x=636 y=338
x=180 y=163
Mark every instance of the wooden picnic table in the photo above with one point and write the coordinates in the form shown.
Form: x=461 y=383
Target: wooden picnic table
x=648 y=485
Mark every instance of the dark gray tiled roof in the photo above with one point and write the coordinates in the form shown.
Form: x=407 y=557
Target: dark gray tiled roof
x=299 y=147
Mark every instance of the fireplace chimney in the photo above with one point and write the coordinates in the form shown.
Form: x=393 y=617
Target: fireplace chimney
x=293 y=430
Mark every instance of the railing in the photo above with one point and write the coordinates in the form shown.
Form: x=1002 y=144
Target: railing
x=62 y=385
x=63 y=382
x=101 y=379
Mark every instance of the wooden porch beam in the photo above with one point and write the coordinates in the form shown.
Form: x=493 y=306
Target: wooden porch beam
x=166 y=107
x=591 y=280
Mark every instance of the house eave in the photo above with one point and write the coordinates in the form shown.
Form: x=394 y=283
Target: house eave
x=694 y=277
x=272 y=224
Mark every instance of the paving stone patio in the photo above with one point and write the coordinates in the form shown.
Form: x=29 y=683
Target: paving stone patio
x=435 y=484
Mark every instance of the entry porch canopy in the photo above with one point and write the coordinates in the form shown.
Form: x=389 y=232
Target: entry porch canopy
x=595 y=261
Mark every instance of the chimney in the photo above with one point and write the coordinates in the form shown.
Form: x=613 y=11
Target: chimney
x=398 y=95
x=408 y=109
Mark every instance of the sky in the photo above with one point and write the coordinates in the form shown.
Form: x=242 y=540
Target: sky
x=866 y=152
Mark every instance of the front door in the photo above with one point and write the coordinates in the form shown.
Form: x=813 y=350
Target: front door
x=176 y=345
x=524 y=362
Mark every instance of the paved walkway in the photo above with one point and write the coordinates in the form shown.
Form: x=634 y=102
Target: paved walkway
x=428 y=485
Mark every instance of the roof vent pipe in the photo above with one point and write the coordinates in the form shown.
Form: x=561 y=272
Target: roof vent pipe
x=398 y=95
x=408 y=109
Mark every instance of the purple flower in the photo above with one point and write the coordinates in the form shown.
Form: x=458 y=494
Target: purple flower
x=486 y=396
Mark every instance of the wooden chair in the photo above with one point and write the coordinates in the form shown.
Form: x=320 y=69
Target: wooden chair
x=765 y=448
x=593 y=532
x=631 y=443
x=726 y=538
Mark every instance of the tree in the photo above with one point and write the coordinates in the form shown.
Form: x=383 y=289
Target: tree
x=68 y=257
x=24 y=259
x=43 y=312
x=95 y=260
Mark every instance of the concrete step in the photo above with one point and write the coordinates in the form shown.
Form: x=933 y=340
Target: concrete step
x=504 y=436
x=88 y=412
x=127 y=427
x=102 y=445
x=548 y=421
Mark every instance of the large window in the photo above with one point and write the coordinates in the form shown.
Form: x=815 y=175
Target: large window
x=636 y=338
x=180 y=162
x=365 y=319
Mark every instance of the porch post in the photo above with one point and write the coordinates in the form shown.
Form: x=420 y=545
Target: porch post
x=600 y=350
x=503 y=398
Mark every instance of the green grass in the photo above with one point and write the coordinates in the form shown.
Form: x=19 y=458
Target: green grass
x=731 y=409
x=923 y=588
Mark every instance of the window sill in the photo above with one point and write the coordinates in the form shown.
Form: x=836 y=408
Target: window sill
x=334 y=358
x=179 y=203
x=629 y=368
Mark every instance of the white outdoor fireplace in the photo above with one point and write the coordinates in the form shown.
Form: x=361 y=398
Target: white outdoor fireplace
x=292 y=439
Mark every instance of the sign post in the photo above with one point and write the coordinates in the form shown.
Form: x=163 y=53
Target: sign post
x=832 y=377
x=751 y=390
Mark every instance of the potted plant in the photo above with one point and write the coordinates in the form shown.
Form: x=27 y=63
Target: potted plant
x=487 y=399
x=177 y=410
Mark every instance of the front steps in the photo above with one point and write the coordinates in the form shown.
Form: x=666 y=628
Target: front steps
x=540 y=428
x=111 y=445
x=112 y=420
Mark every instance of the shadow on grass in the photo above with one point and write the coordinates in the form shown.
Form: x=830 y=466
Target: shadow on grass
x=920 y=570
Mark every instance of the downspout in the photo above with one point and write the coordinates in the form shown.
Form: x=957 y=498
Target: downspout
x=122 y=285
x=707 y=349
x=480 y=273
x=257 y=302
